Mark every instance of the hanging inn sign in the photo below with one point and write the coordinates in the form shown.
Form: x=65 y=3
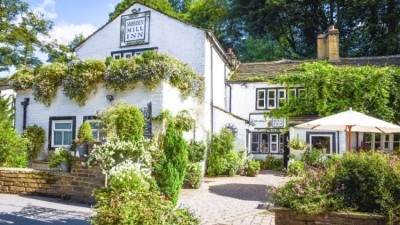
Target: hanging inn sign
x=135 y=28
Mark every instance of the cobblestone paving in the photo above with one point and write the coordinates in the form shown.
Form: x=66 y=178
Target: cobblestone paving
x=33 y=210
x=233 y=200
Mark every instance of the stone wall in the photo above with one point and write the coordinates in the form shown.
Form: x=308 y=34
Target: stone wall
x=78 y=185
x=286 y=216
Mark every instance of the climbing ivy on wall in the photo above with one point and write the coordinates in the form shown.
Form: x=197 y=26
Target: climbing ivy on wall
x=80 y=79
x=330 y=89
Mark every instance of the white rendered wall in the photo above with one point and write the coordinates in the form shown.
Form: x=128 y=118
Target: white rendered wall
x=222 y=118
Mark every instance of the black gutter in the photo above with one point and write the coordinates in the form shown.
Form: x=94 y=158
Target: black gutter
x=25 y=103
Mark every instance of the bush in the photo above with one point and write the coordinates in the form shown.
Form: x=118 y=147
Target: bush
x=10 y=143
x=222 y=160
x=85 y=133
x=132 y=199
x=125 y=121
x=296 y=168
x=252 y=168
x=35 y=136
x=369 y=182
x=170 y=170
x=272 y=163
x=366 y=182
x=17 y=159
x=193 y=175
x=196 y=150
x=312 y=157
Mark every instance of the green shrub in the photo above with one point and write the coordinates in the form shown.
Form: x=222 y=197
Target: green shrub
x=35 y=136
x=311 y=194
x=85 y=133
x=252 y=168
x=312 y=157
x=17 y=159
x=58 y=156
x=296 y=168
x=10 y=142
x=123 y=120
x=366 y=182
x=131 y=199
x=193 y=175
x=170 y=170
x=369 y=182
x=272 y=163
x=222 y=160
x=196 y=151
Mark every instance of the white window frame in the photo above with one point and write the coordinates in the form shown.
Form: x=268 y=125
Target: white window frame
x=293 y=92
x=273 y=99
x=261 y=100
x=117 y=56
x=300 y=92
x=323 y=135
x=271 y=142
x=53 y=130
x=255 y=142
x=98 y=131
x=137 y=53
x=128 y=55
x=281 y=98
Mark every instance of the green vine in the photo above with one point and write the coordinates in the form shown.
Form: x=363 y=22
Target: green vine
x=45 y=83
x=330 y=89
x=80 y=79
x=83 y=79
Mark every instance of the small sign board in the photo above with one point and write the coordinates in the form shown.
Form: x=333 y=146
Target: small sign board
x=135 y=29
x=259 y=121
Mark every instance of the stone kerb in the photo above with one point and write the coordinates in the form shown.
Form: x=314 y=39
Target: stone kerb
x=285 y=216
x=78 y=185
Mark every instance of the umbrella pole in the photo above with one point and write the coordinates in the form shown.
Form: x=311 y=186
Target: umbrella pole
x=348 y=137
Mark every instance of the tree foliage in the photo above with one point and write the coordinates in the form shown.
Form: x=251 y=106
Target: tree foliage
x=329 y=89
x=160 y=5
x=20 y=29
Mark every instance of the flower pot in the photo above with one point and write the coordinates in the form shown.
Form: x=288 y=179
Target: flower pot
x=242 y=172
x=64 y=166
x=82 y=150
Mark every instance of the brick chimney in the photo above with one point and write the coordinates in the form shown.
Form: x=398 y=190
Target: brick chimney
x=328 y=44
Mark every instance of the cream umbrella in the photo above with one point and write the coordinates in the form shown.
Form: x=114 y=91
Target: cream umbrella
x=351 y=121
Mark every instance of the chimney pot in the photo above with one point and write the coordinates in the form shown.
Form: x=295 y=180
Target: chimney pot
x=229 y=50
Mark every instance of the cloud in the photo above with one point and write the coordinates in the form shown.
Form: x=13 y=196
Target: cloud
x=47 y=8
x=65 y=33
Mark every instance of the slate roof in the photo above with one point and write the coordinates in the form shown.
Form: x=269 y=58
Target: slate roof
x=253 y=72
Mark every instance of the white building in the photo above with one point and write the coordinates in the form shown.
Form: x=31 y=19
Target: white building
x=136 y=30
x=251 y=99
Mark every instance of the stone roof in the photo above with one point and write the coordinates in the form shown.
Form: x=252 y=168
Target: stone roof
x=253 y=72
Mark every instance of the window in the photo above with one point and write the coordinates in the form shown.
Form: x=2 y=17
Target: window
x=368 y=137
x=96 y=127
x=386 y=141
x=292 y=93
x=271 y=99
x=266 y=143
x=323 y=141
x=260 y=99
x=281 y=97
x=117 y=56
x=128 y=55
x=62 y=131
x=396 y=141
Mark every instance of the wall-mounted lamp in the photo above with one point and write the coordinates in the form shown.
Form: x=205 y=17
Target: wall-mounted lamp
x=25 y=102
x=110 y=97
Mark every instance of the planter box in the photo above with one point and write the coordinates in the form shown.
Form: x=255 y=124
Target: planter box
x=40 y=165
x=285 y=216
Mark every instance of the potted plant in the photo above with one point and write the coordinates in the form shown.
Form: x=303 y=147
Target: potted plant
x=85 y=135
x=242 y=160
x=252 y=168
x=297 y=146
x=60 y=158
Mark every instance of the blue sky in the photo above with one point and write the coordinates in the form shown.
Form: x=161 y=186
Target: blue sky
x=72 y=17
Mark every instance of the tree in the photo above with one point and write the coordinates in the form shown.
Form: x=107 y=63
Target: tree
x=63 y=53
x=260 y=50
x=160 y=5
x=20 y=29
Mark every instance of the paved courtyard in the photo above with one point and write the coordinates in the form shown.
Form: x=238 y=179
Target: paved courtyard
x=233 y=200
x=33 y=210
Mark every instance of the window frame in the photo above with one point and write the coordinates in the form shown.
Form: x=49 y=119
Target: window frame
x=279 y=91
x=263 y=100
x=332 y=136
x=91 y=119
x=274 y=98
x=60 y=119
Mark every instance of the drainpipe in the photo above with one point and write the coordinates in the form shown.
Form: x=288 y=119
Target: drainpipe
x=212 y=89
x=25 y=103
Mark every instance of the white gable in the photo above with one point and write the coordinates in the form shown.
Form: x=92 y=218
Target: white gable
x=166 y=34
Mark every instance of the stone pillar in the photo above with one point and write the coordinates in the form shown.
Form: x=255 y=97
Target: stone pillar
x=321 y=46
x=333 y=45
